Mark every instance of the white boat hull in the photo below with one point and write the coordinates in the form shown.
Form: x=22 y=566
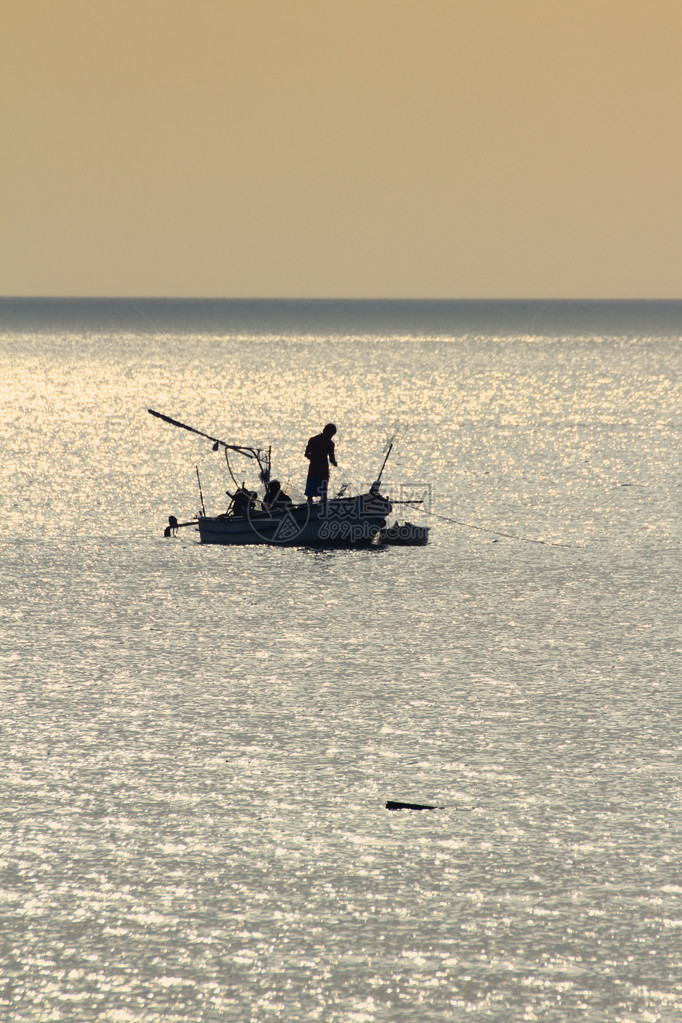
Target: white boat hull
x=341 y=522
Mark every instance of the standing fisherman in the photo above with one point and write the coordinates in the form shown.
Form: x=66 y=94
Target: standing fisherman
x=320 y=452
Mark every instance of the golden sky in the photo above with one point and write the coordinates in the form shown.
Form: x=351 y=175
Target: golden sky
x=342 y=148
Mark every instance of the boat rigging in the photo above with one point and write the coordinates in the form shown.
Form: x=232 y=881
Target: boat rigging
x=262 y=457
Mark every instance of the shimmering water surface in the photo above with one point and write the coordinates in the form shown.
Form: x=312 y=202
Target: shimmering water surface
x=198 y=743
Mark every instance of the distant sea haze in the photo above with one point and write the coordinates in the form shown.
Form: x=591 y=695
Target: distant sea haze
x=328 y=317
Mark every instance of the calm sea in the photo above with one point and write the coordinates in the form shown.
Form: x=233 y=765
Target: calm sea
x=198 y=743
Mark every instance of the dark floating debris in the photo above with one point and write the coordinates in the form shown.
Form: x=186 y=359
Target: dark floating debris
x=392 y=804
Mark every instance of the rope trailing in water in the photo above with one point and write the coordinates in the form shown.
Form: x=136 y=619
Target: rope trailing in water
x=509 y=536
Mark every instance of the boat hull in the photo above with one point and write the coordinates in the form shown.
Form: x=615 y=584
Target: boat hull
x=405 y=535
x=341 y=522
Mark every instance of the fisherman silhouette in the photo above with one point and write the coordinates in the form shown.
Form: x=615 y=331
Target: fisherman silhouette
x=243 y=501
x=274 y=498
x=320 y=452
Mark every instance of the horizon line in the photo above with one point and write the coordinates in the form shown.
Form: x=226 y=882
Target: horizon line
x=318 y=298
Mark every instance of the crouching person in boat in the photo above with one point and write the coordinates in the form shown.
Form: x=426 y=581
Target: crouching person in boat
x=320 y=452
x=243 y=502
x=274 y=498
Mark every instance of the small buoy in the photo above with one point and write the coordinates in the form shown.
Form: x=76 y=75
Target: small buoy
x=394 y=805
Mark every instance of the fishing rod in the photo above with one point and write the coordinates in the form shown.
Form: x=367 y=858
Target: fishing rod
x=203 y=508
x=255 y=453
x=398 y=430
x=377 y=482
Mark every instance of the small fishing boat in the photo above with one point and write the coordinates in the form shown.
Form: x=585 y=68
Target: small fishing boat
x=341 y=521
x=404 y=535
